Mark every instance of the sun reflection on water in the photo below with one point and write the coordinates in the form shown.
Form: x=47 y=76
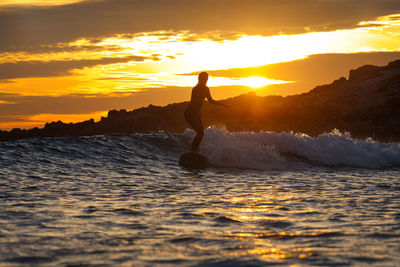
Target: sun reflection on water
x=260 y=216
x=259 y=246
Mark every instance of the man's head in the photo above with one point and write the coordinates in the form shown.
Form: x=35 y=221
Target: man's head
x=203 y=78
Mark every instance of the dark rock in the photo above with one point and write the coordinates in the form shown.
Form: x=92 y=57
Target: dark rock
x=394 y=65
x=365 y=73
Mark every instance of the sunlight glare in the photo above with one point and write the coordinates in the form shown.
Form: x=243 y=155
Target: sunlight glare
x=258 y=82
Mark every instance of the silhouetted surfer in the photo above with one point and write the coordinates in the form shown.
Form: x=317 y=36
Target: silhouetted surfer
x=192 y=112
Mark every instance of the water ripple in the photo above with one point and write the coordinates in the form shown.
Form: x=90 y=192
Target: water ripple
x=124 y=200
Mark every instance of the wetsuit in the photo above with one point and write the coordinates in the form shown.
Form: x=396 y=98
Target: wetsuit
x=192 y=112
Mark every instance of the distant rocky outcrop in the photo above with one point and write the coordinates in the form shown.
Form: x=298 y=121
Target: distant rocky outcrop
x=367 y=104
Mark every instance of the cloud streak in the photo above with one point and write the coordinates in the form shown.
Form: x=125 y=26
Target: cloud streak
x=308 y=72
x=95 y=19
x=29 y=69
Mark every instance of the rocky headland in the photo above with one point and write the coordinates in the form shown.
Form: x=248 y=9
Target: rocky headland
x=366 y=104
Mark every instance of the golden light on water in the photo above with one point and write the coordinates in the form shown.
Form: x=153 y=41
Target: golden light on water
x=255 y=239
x=127 y=207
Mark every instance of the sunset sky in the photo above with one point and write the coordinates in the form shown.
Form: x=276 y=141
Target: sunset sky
x=75 y=60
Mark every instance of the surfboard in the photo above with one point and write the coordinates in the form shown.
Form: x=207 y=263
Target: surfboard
x=193 y=160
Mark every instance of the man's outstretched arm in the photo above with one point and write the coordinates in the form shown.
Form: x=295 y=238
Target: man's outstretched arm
x=214 y=102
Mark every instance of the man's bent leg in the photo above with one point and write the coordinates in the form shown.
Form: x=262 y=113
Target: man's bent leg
x=197 y=140
x=195 y=121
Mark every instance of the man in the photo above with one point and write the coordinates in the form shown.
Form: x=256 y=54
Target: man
x=192 y=112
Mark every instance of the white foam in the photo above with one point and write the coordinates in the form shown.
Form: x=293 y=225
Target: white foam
x=265 y=150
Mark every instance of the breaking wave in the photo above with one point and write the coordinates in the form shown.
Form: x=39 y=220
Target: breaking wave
x=243 y=150
x=266 y=150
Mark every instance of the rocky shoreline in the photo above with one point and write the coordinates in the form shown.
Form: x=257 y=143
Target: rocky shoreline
x=367 y=104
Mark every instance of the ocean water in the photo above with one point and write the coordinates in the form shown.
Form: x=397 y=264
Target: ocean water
x=268 y=199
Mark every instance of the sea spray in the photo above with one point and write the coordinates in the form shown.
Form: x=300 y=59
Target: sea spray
x=265 y=150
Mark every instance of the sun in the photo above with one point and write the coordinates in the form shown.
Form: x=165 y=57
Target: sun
x=256 y=82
